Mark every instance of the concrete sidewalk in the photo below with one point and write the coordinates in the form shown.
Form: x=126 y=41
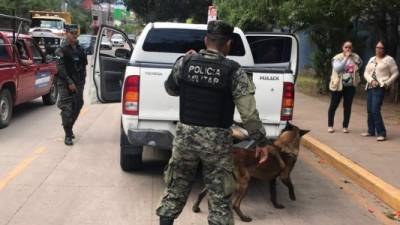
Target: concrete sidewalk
x=381 y=159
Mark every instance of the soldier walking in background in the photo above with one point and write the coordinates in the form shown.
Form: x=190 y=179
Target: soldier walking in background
x=209 y=86
x=71 y=67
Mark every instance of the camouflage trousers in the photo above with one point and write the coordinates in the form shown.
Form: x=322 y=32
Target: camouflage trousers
x=210 y=147
x=70 y=104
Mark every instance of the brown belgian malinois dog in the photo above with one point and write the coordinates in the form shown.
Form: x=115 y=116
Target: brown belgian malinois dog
x=280 y=163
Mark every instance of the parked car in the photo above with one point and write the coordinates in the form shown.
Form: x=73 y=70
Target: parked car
x=106 y=44
x=132 y=38
x=149 y=114
x=118 y=40
x=25 y=74
x=87 y=42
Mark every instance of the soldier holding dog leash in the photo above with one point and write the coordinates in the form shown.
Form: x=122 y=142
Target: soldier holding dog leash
x=209 y=87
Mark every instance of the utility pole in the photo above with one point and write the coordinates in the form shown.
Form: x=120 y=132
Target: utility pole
x=64 y=5
x=109 y=13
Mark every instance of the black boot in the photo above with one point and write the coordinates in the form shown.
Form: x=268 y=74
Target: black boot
x=166 y=220
x=68 y=141
x=68 y=136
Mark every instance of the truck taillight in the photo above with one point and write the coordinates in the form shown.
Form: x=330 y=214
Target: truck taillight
x=287 y=101
x=130 y=103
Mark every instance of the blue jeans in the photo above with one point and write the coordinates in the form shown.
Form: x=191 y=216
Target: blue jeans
x=375 y=98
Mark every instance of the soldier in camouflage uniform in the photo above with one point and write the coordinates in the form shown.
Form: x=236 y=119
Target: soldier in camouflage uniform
x=71 y=67
x=209 y=87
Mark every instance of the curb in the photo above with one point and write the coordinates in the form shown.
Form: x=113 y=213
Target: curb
x=375 y=185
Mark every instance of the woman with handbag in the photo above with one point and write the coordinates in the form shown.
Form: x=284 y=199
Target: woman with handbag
x=380 y=72
x=344 y=80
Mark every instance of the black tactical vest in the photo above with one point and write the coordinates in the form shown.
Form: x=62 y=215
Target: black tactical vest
x=206 y=92
x=75 y=62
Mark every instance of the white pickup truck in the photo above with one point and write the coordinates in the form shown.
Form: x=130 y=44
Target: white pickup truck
x=136 y=76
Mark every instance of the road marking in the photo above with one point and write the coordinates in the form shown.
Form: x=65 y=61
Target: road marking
x=20 y=167
x=39 y=150
x=365 y=203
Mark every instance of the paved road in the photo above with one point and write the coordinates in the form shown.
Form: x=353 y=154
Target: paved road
x=44 y=182
x=380 y=158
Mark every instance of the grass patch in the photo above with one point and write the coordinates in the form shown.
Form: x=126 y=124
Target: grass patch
x=307 y=83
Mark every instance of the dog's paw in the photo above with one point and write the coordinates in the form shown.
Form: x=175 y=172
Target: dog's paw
x=246 y=219
x=279 y=206
x=196 y=209
x=292 y=196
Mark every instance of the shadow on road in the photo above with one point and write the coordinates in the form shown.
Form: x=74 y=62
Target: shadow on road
x=29 y=107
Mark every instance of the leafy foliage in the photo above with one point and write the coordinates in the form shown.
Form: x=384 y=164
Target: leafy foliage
x=170 y=10
x=22 y=8
x=260 y=15
x=328 y=22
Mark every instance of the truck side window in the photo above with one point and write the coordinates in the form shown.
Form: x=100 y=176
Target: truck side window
x=4 y=57
x=114 y=44
x=182 y=40
x=36 y=52
x=106 y=46
x=271 y=49
x=21 y=48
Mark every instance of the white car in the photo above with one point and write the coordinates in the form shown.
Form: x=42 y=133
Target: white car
x=105 y=44
x=149 y=114
x=118 y=40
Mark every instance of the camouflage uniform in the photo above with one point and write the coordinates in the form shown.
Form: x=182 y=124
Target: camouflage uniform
x=209 y=146
x=70 y=72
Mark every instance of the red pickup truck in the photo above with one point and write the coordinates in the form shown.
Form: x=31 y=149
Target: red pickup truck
x=25 y=74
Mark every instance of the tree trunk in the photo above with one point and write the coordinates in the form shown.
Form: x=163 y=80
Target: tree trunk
x=393 y=41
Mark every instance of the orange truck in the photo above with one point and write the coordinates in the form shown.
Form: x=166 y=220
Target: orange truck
x=48 y=28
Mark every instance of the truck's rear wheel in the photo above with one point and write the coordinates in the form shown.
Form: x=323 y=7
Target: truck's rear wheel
x=130 y=155
x=130 y=162
x=52 y=96
x=6 y=108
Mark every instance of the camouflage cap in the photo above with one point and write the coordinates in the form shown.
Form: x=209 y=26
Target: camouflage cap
x=71 y=28
x=219 y=27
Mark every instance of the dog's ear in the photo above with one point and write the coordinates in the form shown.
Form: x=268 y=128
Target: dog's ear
x=303 y=132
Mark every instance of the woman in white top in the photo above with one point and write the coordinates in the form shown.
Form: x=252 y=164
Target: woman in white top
x=380 y=72
x=344 y=80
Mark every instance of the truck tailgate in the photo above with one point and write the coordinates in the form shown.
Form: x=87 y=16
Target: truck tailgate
x=154 y=99
x=155 y=103
x=269 y=90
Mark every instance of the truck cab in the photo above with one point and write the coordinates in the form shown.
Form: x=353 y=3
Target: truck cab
x=25 y=74
x=48 y=29
x=149 y=114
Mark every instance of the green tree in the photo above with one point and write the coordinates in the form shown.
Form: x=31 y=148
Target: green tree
x=80 y=16
x=22 y=8
x=329 y=24
x=170 y=10
x=383 y=18
x=260 y=15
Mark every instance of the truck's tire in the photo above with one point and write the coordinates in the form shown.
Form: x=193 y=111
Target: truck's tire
x=130 y=156
x=52 y=96
x=130 y=162
x=6 y=108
